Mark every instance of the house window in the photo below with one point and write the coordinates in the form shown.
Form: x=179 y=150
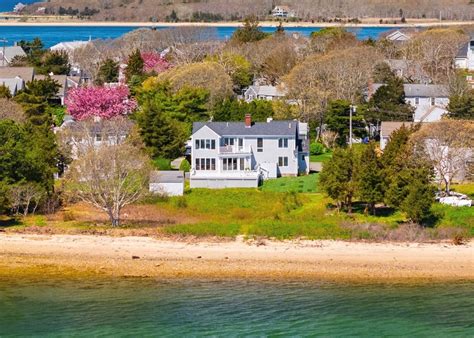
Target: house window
x=205 y=144
x=433 y=101
x=98 y=137
x=259 y=145
x=283 y=143
x=283 y=161
x=228 y=141
x=232 y=164
x=417 y=100
x=205 y=164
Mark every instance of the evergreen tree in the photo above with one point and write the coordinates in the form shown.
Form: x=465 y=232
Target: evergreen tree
x=418 y=201
x=338 y=179
x=56 y=62
x=338 y=120
x=370 y=183
x=462 y=106
x=134 y=66
x=235 y=110
x=108 y=72
x=5 y=92
x=250 y=32
x=388 y=103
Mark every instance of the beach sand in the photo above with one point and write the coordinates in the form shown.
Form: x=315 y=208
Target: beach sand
x=312 y=260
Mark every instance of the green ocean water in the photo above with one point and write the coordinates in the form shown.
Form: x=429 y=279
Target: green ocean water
x=146 y=308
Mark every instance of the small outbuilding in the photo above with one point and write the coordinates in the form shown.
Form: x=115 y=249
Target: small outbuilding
x=168 y=183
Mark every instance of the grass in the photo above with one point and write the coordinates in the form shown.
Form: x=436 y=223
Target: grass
x=276 y=210
x=321 y=157
x=300 y=184
x=162 y=163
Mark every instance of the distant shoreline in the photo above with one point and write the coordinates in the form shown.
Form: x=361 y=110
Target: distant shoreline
x=86 y=255
x=42 y=22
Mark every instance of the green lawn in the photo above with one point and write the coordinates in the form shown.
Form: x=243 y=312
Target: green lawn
x=321 y=158
x=300 y=184
x=162 y=163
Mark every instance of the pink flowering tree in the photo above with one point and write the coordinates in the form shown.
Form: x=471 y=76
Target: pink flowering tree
x=104 y=102
x=153 y=62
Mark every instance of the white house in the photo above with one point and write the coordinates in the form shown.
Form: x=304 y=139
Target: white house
x=429 y=100
x=241 y=154
x=19 y=7
x=282 y=12
x=398 y=36
x=168 y=183
x=257 y=92
x=465 y=57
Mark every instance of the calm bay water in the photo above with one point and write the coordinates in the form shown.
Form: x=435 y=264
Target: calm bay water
x=140 y=308
x=52 y=35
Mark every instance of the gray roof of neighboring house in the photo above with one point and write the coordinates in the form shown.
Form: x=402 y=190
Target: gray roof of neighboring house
x=268 y=91
x=388 y=127
x=168 y=176
x=462 y=53
x=61 y=79
x=420 y=90
x=273 y=128
x=26 y=73
x=11 y=52
x=13 y=84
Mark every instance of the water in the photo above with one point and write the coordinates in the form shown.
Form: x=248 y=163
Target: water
x=141 y=308
x=52 y=35
x=7 y=5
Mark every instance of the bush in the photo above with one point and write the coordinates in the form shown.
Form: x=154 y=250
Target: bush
x=162 y=163
x=181 y=202
x=316 y=148
x=185 y=166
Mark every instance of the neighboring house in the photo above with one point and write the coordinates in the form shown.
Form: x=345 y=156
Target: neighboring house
x=465 y=57
x=65 y=82
x=410 y=71
x=241 y=154
x=387 y=128
x=13 y=84
x=167 y=183
x=257 y=92
x=69 y=47
x=283 y=12
x=7 y=54
x=429 y=100
x=398 y=36
x=19 y=7
x=15 y=78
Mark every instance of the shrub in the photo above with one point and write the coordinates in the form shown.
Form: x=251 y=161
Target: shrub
x=161 y=163
x=185 y=166
x=181 y=202
x=316 y=148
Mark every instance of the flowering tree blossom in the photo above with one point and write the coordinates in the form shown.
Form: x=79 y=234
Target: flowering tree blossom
x=153 y=62
x=100 y=101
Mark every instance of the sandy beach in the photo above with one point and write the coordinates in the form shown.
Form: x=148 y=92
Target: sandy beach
x=148 y=257
x=65 y=21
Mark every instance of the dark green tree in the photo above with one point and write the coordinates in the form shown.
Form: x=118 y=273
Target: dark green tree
x=235 y=110
x=338 y=179
x=338 y=120
x=250 y=32
x=108 y=72
x=388 y=103
x=134 y=65
x=56 y=62
x=462 y=106
x=370 y=182
x=5 y=92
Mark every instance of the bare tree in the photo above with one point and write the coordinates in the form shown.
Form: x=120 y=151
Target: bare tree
x=25 y=197
x=109 y=174
x=11 y=110
x=449 y=146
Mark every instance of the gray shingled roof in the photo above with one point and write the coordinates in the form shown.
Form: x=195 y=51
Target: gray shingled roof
x=11 y=52
x=420 y=90
x=26 y=73
x=462 y=53
x=167 y=176
x=273 y=128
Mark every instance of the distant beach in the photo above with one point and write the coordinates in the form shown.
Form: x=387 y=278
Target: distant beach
x=148 y=257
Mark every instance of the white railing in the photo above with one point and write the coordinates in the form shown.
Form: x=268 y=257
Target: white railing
x=233 y=150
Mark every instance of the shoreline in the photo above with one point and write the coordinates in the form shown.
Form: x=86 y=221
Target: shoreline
x=145 y=257
x=72 y=23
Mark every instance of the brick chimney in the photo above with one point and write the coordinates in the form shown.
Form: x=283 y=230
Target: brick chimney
x=248 y=120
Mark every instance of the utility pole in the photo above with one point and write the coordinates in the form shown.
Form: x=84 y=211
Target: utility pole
x=3 y=53
x=352 y=109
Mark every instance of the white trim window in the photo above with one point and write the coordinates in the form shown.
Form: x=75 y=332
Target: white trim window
x=282 y=143
x=259 y=145
x=205 y=144
x=283 y=161
x=417 y=100
x=206 y=164
x=233 y=164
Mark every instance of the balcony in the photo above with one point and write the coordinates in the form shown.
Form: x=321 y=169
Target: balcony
x=234 y=150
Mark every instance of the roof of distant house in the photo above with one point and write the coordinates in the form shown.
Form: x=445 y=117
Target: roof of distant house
x=11 y=52
x=282 y=7
x=272 y=128
x=388 y=127
x=26 y=73
x=462 y=53
x=268 y=91
x=166 y=176
x=69 y=45
x=61 y=79
x=420 y=90
x=13 y=84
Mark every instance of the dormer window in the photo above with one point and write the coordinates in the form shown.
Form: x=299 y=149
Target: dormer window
x=417 y=100
x=433 y=101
